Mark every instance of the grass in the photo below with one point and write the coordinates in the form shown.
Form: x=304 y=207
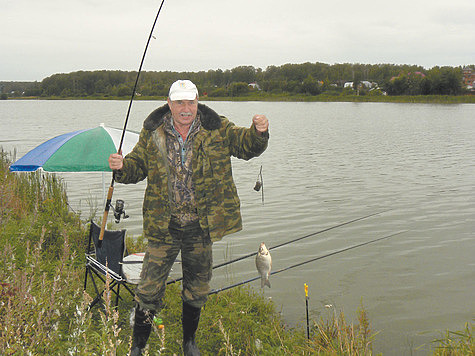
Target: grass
x=43 y=308
x=456 y=343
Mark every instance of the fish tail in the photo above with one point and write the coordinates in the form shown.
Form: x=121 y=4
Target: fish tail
x=267 y=283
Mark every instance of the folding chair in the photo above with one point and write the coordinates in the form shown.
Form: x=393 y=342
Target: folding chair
x=106 y=261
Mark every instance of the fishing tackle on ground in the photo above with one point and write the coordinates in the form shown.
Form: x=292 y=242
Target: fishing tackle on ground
x=306 y=307
x=111 y=187
x=158 y=322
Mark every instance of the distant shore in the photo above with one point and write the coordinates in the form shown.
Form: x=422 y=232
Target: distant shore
x=429 y=99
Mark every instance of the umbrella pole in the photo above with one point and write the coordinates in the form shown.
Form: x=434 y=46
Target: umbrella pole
x=103 y=189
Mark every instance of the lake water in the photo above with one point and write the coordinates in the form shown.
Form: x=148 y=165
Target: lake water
x=327 y=163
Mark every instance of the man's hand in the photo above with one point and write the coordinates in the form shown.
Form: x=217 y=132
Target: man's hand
x=261 y=123
x=116 y=161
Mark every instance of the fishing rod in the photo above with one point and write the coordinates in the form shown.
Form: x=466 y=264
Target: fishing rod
x=288 y=242
x=119 y=150
x=215 y=291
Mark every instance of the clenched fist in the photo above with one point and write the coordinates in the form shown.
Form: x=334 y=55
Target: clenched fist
x=261 y=123
x=115 y=161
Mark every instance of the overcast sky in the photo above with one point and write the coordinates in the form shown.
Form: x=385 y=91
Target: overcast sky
x=39 y=38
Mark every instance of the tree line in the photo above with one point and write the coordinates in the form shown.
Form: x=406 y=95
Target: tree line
x=288 y=79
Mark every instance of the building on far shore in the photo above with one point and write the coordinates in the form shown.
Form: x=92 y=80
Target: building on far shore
x=468 y=75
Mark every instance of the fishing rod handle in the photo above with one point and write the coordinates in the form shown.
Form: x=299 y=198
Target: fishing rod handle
x=106 y=214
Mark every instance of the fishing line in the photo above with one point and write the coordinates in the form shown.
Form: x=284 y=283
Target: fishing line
x=214 y=291
x=119 y=150
x=288 y=242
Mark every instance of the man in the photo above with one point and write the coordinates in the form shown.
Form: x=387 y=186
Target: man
x=184 y=151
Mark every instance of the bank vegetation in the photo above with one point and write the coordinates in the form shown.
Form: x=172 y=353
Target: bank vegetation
x=296 y=82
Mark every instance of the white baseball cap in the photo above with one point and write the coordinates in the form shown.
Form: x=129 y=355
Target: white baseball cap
x=183 y=90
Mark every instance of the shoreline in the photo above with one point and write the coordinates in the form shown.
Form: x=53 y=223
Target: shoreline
x=417 y=99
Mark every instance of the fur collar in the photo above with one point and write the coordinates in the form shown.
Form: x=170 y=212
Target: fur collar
x=210 y=120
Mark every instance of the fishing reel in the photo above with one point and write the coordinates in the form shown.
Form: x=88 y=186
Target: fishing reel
x=119 y=211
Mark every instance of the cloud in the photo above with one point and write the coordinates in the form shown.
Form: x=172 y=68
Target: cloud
x=45 y=37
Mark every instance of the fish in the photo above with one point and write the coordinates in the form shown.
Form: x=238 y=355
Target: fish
x=264 y=264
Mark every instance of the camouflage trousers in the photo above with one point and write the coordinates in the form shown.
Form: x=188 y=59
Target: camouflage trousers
x=197 y=262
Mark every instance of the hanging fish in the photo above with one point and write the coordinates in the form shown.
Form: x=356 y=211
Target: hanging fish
x=264 y=264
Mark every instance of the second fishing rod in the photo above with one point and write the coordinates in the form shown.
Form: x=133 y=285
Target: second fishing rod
x=289 y=242
x=215 y=291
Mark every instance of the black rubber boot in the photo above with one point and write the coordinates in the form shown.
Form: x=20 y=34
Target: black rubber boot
x=191 y=318
x=142 y=329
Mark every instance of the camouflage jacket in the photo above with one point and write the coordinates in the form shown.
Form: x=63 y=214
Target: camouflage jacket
x=215 y=191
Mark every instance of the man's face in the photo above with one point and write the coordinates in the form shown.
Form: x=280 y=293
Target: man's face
x=183 y=111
